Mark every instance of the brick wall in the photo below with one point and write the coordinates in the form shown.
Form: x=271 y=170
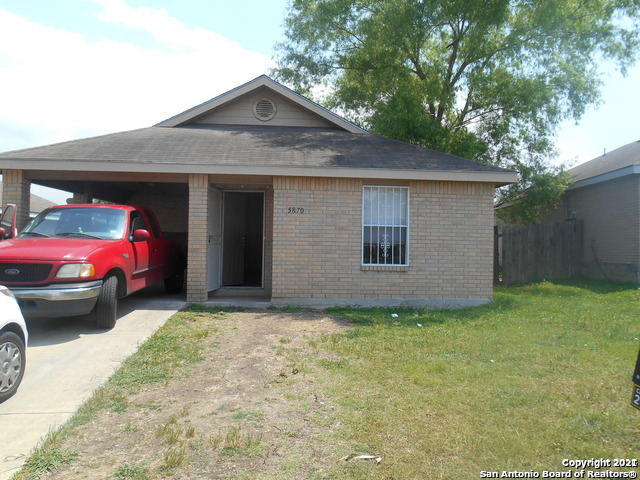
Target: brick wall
x=16 y=189
x=317 y=254
x=172 y=210
x=197 y=246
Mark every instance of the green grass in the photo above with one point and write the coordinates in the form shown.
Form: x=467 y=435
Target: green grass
x=540 y=375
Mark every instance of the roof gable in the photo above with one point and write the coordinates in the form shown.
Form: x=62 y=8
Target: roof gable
x=238 y=107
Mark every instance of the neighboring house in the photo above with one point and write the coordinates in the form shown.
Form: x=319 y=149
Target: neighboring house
x=37 y=204
x=283 y=199
x=606 y=196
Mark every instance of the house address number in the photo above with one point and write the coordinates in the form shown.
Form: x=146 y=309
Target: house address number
x=295 y=211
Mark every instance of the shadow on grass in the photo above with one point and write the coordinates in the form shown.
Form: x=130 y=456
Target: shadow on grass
x=600 y=287
x=199 y=308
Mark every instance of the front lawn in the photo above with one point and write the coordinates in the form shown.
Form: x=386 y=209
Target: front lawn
x=541 y=375
x=507 y=390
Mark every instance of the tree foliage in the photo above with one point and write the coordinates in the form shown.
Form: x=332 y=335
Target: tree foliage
x=489 y=80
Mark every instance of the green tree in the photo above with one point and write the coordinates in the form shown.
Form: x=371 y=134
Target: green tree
x=489 y=80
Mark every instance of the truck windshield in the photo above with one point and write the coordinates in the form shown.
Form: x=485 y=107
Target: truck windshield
x=100 y=223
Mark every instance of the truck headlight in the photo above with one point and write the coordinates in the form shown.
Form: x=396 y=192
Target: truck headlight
x=76 y=270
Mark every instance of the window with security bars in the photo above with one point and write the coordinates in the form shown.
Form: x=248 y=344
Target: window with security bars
x=385 y=225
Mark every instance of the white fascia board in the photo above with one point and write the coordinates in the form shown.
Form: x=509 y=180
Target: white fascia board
x=498 y=178
x=623 y=172
x=262 y=81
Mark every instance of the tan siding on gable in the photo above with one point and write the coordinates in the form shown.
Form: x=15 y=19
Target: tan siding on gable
x=240 y=112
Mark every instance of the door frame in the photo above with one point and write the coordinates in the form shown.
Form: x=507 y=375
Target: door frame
x=264 y=223
x=214 y=240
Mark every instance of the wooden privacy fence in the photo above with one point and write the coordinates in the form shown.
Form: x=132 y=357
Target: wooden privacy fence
x=536 y=252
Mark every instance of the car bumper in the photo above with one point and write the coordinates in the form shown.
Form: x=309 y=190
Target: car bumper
x=64 y=300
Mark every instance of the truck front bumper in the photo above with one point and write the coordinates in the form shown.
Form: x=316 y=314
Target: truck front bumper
x=65 y=300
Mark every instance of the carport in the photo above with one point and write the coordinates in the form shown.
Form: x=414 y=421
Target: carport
x=176 y=198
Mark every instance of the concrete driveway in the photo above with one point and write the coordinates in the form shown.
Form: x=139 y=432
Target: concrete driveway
x=67 y=359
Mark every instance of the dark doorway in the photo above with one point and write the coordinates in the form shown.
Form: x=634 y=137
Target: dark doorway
x=242 y=242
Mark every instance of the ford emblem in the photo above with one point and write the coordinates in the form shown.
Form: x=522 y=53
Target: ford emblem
x=12 y=271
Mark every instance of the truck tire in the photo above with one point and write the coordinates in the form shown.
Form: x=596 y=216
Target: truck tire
x=12 y=363
x=107 y=305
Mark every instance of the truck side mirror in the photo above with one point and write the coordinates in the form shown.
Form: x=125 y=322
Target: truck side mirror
x=8 y=219
x=140 y=235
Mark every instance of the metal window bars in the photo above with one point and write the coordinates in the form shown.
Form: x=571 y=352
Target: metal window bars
x=385 y=225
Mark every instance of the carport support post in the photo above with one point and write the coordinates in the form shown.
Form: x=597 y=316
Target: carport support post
x=197 y=242
x=16 y=188
x=84 y=197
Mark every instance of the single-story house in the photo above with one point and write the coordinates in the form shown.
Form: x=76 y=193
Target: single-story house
x=280 y=198
x=605 y=195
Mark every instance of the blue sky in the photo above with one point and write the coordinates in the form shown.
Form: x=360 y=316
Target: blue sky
x=77 y=68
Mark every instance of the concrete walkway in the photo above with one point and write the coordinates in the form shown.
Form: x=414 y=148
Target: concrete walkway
x=67 y=359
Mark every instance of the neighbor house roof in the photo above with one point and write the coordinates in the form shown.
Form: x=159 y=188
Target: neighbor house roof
x=617 y=163
x=191 y=143
x=36 y=203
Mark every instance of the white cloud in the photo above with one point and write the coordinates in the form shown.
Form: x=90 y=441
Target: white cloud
x=164 y=28
x=59 y=85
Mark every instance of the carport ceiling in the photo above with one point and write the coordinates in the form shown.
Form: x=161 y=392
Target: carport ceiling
x=113 y=190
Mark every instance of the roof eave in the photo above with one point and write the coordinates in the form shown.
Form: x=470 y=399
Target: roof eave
x=605 y=177
x=497 y=178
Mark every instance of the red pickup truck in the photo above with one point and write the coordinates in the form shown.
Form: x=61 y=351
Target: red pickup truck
x=80 y=259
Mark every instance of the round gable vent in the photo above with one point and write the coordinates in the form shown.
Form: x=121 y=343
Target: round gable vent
x=264 y=109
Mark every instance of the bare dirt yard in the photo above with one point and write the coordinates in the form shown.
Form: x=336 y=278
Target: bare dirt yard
x=248 y=410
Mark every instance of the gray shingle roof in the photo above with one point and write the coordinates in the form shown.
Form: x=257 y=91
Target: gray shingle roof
x=617 y=159
x=249 y=146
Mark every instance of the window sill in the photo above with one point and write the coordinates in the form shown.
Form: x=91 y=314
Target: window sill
x=384 y=268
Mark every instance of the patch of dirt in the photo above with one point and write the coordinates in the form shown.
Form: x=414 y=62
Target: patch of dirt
x=253 y=409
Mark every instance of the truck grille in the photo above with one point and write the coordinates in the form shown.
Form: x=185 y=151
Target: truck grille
x=24 y=272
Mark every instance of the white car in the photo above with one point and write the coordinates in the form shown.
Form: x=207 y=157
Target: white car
x=13 y=344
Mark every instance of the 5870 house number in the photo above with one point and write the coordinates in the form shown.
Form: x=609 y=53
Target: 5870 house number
x=295 y=211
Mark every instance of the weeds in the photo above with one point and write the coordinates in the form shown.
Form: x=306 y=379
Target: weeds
x=131 y=472
x=237 y=442
x=172 y=459
x=45 y=460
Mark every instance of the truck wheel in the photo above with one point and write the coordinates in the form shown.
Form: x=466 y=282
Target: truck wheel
x=107 y=304
x=175 y=282
x=12 y=363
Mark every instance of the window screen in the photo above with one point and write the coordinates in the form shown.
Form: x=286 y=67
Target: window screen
x=385 y=224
